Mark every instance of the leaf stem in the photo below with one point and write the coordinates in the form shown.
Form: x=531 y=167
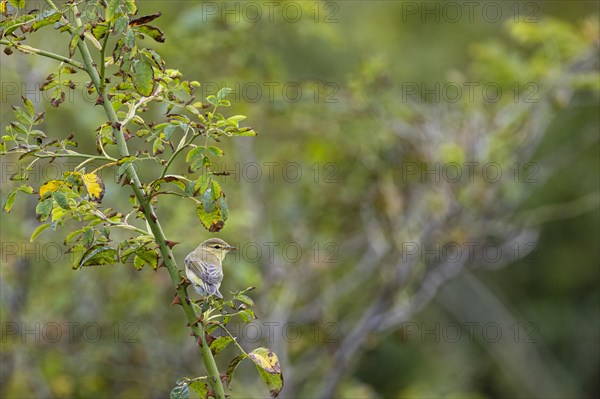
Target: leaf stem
x=32 y=50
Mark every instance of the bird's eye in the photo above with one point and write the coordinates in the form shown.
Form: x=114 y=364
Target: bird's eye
x=217 y=246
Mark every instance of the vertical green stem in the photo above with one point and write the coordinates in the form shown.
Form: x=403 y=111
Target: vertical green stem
x=159 y=236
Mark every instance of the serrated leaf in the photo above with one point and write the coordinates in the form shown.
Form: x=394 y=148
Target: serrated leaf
x=236 y=118
x=51 y=186
x=265 y=359
x=195 y=158
x=99 y=30
x=215 y=190
x=143 y=76
x=153 y=32
x=267 y=363
x=74 y=40
x=216 y=151
x=158 y=147
x=10 y=200
x=200 y=387
x=111 y=10
x=145 y=256
x=202 y=184
x=212 y=100
x=17 y=3
x=189 y=189
x=43 y=209
x=99 y=255
x=169 y=130
x=72 y=234
x=244 y=132
x=121 y=24
x=213 y=221
x=245 y=299
x=224 y=92
x=131 y=7
x=46 y=18
x=94 y=186
x=61 y=199
x=28 y=106
x=247 y=315
x=88 y=236
x=232 y=366
x=25 y=189
x=38 y=231
x=219 y=344
x=180 y=392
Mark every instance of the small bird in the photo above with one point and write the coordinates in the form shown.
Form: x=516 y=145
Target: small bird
x=203 y=266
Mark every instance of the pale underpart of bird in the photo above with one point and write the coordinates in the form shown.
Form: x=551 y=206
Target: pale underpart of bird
x=203 y=266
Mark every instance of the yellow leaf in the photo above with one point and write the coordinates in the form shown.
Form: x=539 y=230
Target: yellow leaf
x=94 y=186
x=51 y=186
x=266 y=359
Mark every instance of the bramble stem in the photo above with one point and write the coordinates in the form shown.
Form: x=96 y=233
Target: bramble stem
x=155 y=227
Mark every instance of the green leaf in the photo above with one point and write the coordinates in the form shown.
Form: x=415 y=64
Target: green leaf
x=22 y=116
x=213 y=221
x=207 y=201
x=247 y=315
x=121 y=24
x=28 y=106
x=224 y=207
x=100 y=30
x=88 y=236
x=200 y=387
x=46 y=18
x=244 y=132
x=10 y=200
x=169 y=130
x=43 y=209
x=224 y=92
x=14 y=24
x=215 y=190
x=99 y=255
x=75 y=40
x=212 y=100
x=17 y=3
x=158 y=147
x=143 y=76
x=111 y=10
x=245 y=299
x=61 y=199
x=232 y=366
x=236 y=118
x=153 y=32
x=189 y=189
x=195 y=158
x=219 y=344
x=25 y=189
x=38 y=230
x=131 y=7
x=267 y=363
x=202 y=184
x=72 y=234
x=180 y=392
x=145 y=256
x=216 y=151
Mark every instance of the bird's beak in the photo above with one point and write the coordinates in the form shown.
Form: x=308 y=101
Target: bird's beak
x=230 y=248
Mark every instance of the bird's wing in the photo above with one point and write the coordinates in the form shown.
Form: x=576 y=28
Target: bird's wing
x=208 y=272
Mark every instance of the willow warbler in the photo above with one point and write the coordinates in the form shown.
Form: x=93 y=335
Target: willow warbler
x=203 y=266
